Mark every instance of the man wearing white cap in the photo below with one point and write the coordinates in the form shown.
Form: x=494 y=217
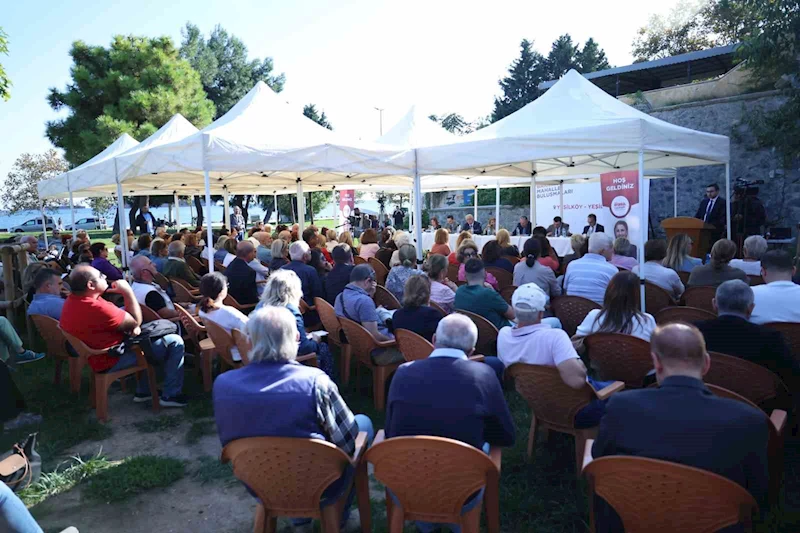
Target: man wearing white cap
x=533 y=342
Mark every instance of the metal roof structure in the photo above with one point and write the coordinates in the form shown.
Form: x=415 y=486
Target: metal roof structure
x=660 y=73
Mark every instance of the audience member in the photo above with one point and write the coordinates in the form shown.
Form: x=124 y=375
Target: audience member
x=532 y=271
x=346 y=237
x=396 y=280
x=469 y=250
x=100 y=324
x=416 y=314
x=280 y=254
x=778 y=300
x=32 y=244
x=369 y=244
x=388 y=247
x=476 y=298
x=443 y=291
x=539 y=230
x=221 y=252
x=655 y=250
x=147 y=291
x=683 y=422
x=213 y=290
x=317 y=260
x=492 y=257
x=322 y=244
x=48 y=299
x=338 y=278
x=192 y=247
x=523 y=227
x=503 y=238
x=547 y=256
x=241 y=277
x=401 y=238
x=718 y=269
x=331 y=242
x=463 y=236
x=579 y=245
x=176 y=266
x=312 y=285
x=230 y=251
x=263 y=251
x=100 y=262
x=589 y=276
x=144 y=241
x=441 y=241
x=619 y=257
x=678 y=256
x=158 y=254
x=620 y=312
x=754 y=247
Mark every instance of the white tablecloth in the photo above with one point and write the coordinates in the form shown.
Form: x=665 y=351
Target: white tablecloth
x=560 y=244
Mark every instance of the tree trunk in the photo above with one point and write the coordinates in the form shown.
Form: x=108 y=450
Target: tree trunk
x=199 y=206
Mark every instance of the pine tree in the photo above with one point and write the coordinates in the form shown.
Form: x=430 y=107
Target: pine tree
x=562 y=58
x=311 y=112
x=592 y=58
x=521 y=86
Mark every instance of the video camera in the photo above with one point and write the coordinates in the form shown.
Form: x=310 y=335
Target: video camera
x=745 y=187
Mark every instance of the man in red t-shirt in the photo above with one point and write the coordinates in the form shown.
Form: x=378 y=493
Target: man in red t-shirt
x=100 y=324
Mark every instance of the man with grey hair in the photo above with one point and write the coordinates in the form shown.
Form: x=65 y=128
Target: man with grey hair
x=732 y=332
x=300 y=255
x=176 y=266
x=33 y=247
x=242 y=279
x=589 y=276
x=754 y=247
x=274 y=396
x=147 y=291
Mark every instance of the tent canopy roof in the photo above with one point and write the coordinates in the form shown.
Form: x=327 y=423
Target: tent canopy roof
x=416 y=129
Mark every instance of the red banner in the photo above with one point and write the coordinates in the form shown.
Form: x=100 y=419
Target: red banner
x=620 y=191
x=347 y=201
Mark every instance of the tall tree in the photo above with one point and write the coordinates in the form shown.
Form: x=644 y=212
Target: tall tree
x=225 y=71
x=591 y=58
x=133 y=87
x=563 y=57
x=521 y=86
x=311 y=112
x=5 y=83
x=19 y=189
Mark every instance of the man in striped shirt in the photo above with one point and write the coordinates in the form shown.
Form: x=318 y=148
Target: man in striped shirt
x=588 y=276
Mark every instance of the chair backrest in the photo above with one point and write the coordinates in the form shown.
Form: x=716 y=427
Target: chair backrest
x=571 y=310
x=684 y=277
x=161 y=280
x=431 y=477
x=233 y=302
x=681 y=313
x=679 y=498
x=437 y=307
x=194 y=263
x=513 y=258
x=277 y=470
x=195 y=329
x=700 y=297
x=81 y=347
x=381 y=272
x=550 y=399
x=242 y=343
x=452 y=272
x=620 y=357
x=219 y=267
x=223 y=342
x=791 y=333
x=358 y=260
x=755 y=382
x=755 y=280
x=327 y=314
x=487 y=333
x=182 y=282
x=304 y=307
x=656 y=298
x=360 y=340
x=385 y=298
x=507 y=292
x=182 y=294
x=148 y=315
x=52 y=334
x=411 y=345
x=504 y=277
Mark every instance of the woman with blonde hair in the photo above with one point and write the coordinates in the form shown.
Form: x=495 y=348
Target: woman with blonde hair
x=401 y=238
x=346 y=237
x=463 y=236
x=398 y=275
x=192 y=247
x=441 y=241
x=718 y=270
x=678 y=258
x=331 y=241
x=469 y=250
x=503 y=238
x=280 y=254
x=443 y=291
x=220 y=253
x=491 y=227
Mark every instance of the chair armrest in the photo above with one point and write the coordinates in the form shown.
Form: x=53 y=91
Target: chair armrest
x=247 y=307
x=379 y=437
x=778 y=419
x=306 y=357
x=587 y=453
x=496 y=455
x=385 y=344
x=361 y=446
x=607 y=391
x=477 y=358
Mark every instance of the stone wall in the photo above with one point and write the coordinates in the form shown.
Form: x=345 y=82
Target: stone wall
x=509 y=215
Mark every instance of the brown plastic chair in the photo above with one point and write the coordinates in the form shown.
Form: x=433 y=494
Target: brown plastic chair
x=755 y=382
x=223 y=342
x=755 y=280
x=363 y=344
x=161 y=280
x=244 y=308
x=185 y=284
x=620 y=357
x=385 y=298
x=412 y=345
x=679 y=498
x=487 y=333
x=205 y=346
x=219 y=267
x=182 y=294
x=433 y=477
x=305 y=308
x=381 y=272
x=684 y=277
x=452 y=272
x=571 y=310
x=289 y=476
x=656 y=298
x=57 y=348
x=554 y=404
x=195 y=264
x=327 y=314
x=100 y=382
x=437 y=307
x=507 y=293
x=504 y=277
x=682 y=313
x=699 y=297
x=791 y=334
x=148 y=315
x=513 y=258
x=358 y=260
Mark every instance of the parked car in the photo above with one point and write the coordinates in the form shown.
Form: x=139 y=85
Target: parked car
x=87 y=223
x=34 y=224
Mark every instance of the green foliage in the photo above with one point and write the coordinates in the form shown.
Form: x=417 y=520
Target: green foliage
x=311 y=112
x=514 y=196
x=562 y=58
x=225 y=71
x=134 y=86
x=211 y=469
x=102 y=205
x=454 y=123
x=63 y=479
x=199 y=429
x=19 y=189
x=134 y=476
x=592 y=58
x=5 y=83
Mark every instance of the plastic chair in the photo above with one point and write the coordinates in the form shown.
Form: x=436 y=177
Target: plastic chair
x=363 y=344
x=679 y=498
x=219 y=267
x=452 y=272
x=327 y=314
x=504 y=277
x=437 y=307
x=433 y=477
x=385 y=298
x=57 y=347
x=412 y=345
x=755 y=382
x=102 y=381
x=182 y=294
x=195 y=264
x=700 y=297
x=185 y=284
x=656 y=298
x=223 y=342
x=571 y=310
x=487 y=333
x=513 y=258
x=620 y=357
x=244 y=308
x=755 y=280
x=791 y=333
x=148 y=315
x=305 y=308
x=684 y=277
x=161 y=280
x=289 y=476
x=358 y=260
x=507 y=293
x=554 y=404
x=681 y=313
x=205 y=346
x=381 y=272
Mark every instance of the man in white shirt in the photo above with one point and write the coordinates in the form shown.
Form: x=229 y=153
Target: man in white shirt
x=779 y=299
x=655 y=250
x=589 y=276
x=754 y=247
x=145 y=289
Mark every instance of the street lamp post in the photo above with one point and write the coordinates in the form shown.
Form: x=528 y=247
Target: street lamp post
x=380 y=113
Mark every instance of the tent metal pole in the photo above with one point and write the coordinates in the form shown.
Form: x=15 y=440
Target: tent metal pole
x=417 y=209
x=226 y=211
x=675 y=195
x=176 y=201
x=561 y=199
x=411 y=218
x=123 y=226
x=497 y=206
x=643 y=211
x=210 y=239
x=475 y=205
x=44 y=227
x=728 y=198
x=533 y=196
x=301 y=206
x=71 y=204
x=277 y=216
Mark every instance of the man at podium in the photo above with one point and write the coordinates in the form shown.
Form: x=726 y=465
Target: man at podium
x=712 y=211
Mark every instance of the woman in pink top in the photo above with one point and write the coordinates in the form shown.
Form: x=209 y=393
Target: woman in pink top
x=443 y=291
x=469 y=250
x=369 y=244
x=621 y=245
x=547 y=258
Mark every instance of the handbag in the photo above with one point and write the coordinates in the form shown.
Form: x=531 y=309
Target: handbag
x=22 y=466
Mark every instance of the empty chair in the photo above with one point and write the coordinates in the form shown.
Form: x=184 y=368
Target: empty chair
x=656 y=298
x=619 y=357
x=700 y=297
x=571 y=310
x=755 y=382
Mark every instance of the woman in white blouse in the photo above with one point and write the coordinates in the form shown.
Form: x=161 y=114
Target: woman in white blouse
x=230 y=247
x=620 y=312
x=214 y=289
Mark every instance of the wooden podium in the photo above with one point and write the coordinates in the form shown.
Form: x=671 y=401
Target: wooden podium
x=696 y=229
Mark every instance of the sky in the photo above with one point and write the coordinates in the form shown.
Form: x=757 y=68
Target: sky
x=345 y=57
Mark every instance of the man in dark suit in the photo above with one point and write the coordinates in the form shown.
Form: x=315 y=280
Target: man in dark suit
x=683 y=422
x=558 y=228
x=523 y=227
x=242 y=278
x=732 y=333
x=145 y=221
x=592 y=226
x=338 y=278
x=712 y=211
x=471 y=225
